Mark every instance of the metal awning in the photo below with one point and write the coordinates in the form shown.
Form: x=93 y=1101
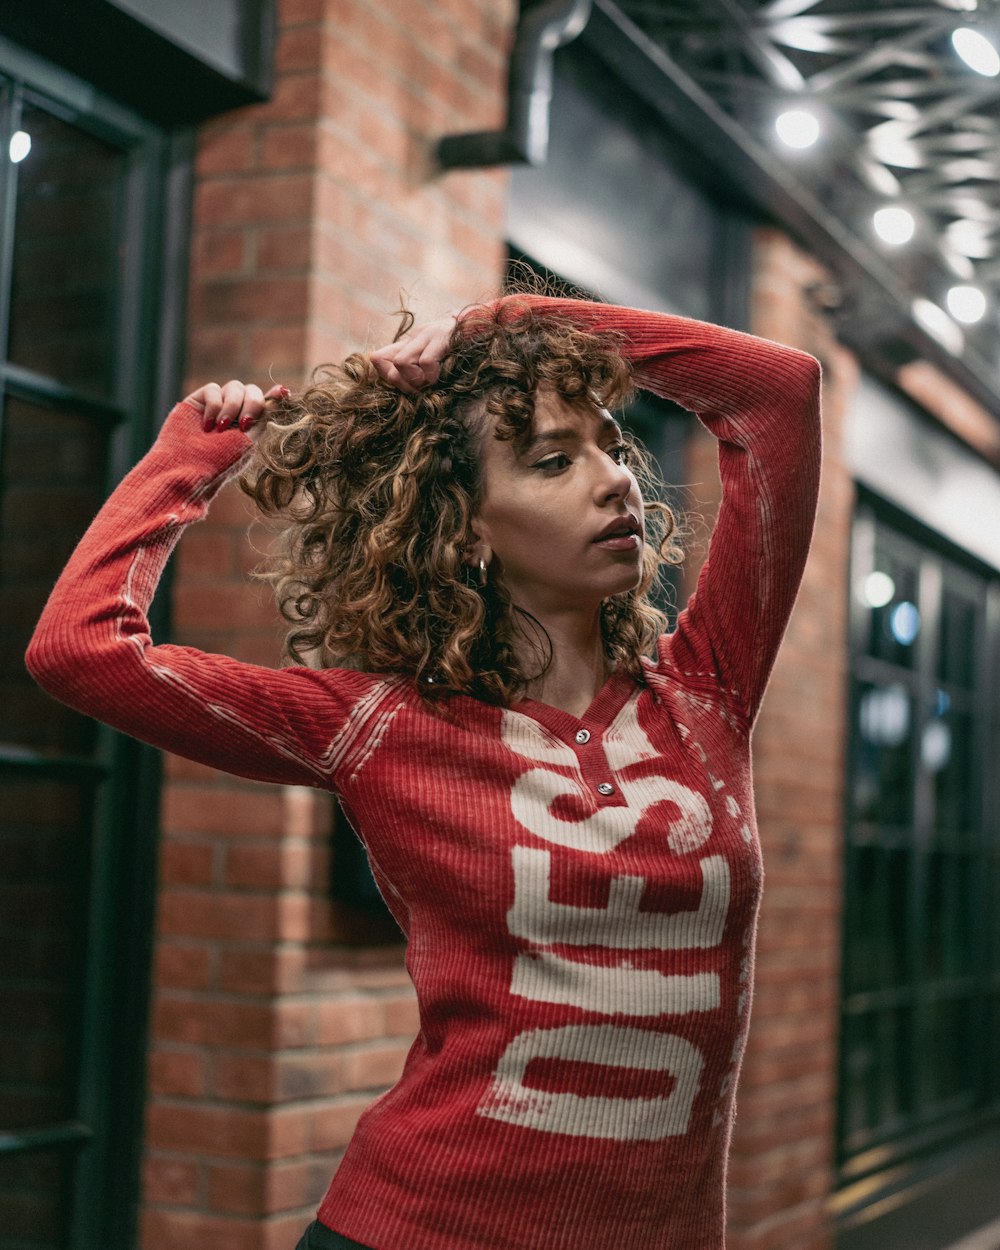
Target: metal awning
x=903 y=122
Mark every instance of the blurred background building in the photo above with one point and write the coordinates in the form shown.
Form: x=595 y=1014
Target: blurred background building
x=199 y=990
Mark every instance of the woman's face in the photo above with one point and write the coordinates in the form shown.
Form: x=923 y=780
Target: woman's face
x=562 y=518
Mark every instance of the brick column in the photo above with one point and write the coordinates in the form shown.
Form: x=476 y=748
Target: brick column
x=782 y=1164
x=312 y=212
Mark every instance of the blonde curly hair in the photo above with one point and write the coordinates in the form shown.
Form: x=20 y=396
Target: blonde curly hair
x=378 y=490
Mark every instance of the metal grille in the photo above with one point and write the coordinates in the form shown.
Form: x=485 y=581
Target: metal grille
x=921 y=955
x=904 y=122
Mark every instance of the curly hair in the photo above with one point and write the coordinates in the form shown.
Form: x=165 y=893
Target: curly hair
x=379 y=489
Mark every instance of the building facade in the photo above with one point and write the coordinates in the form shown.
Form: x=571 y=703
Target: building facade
x=202 y=994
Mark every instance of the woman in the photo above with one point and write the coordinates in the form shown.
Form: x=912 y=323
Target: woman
x=562 y=826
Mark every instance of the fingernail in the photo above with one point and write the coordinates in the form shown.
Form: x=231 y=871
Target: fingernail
x=284 y=392
x=245 y=423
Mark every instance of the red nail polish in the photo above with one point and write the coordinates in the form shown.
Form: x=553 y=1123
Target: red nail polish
x=245 y=423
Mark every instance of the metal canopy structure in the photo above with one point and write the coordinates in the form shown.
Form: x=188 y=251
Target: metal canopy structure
x=903 y=122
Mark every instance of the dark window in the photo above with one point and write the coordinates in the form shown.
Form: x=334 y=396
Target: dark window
x=921 y=949
x=83 y=226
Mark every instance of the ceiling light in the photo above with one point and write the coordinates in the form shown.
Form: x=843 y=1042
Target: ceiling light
x=970 y=238
x=966 y=304
x=877 y=589
x=894 y=225
x=797 y=128
x=20 y=145
x=976 y=51
x=938 y=325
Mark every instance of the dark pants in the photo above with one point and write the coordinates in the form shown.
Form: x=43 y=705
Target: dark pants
x=318 y=1237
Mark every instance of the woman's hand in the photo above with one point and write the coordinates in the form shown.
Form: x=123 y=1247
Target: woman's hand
x=414 y=361
x=236 y=403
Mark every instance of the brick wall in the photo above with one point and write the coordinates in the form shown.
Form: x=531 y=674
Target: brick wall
x=782 y=1163
x=311 y=213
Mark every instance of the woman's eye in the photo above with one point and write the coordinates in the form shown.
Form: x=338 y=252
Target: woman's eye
x=553 y=463
x=621 y=453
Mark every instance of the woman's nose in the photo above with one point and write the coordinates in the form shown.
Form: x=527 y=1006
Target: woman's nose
x=615 y=483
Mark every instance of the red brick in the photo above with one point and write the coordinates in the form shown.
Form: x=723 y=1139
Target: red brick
x=269 y=970
x=213 y=914
x=334 y=1124
x=177 y=1072
x=224 y=149
x=221 y=253
x=182 y=965
x=314 y=1074
x=183 y=1230
x=202 y=606
x=297 y=97
x=256 y=1190
x=299 y=50
x=401 y=1016
x=284 y=247
x=198 y=1021
x=227 y=811
x=254 y=298
x=371 y=1067
x=172 y=1182
x=295 y=146
x=186 y=863
x=349 y=1020
x=270 y=866
x=206 y=1129
x=207 y=552
x=244 y=1078
x=243 y=201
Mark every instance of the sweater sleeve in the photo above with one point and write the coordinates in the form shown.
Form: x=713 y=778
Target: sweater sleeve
x=761 y=401
x=92 y=647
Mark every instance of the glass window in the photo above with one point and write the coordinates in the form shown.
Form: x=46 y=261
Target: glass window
x=53 y=467
x=67 y=254
x=75 y=888
x=920 y=969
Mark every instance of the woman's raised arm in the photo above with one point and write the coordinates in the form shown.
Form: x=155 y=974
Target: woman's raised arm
x=92 y=647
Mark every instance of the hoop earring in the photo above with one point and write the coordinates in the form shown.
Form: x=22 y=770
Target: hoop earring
x=482 y=571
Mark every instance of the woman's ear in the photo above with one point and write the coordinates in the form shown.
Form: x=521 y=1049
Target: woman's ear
x=478 y=555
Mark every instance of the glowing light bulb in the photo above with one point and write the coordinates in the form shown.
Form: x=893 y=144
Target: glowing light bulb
x=20 y=145
x=966 y=304
x=798 y=128
x=877 y=589
x=970 y=238
x=976 y=51
x=894 y=225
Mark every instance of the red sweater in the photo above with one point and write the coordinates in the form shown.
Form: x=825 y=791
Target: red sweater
x=579 y=894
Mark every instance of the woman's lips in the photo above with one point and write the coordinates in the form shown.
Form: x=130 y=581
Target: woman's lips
x=619 y=542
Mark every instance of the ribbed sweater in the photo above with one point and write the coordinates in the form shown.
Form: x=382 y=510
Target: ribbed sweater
x=578 y=893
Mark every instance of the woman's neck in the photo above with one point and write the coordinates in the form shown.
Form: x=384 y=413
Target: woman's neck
x=579 y=667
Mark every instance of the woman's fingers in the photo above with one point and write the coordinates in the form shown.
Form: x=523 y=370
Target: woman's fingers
x=415 y=360
x=235 y=403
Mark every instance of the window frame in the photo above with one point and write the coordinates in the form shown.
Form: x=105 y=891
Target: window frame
x=924 y=1125
x=101 y=1141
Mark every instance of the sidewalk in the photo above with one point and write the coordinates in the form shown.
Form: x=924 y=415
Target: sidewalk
x=956 y=1209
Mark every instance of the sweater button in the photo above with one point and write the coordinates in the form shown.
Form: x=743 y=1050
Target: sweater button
x=605 y=788
x=582 y=736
